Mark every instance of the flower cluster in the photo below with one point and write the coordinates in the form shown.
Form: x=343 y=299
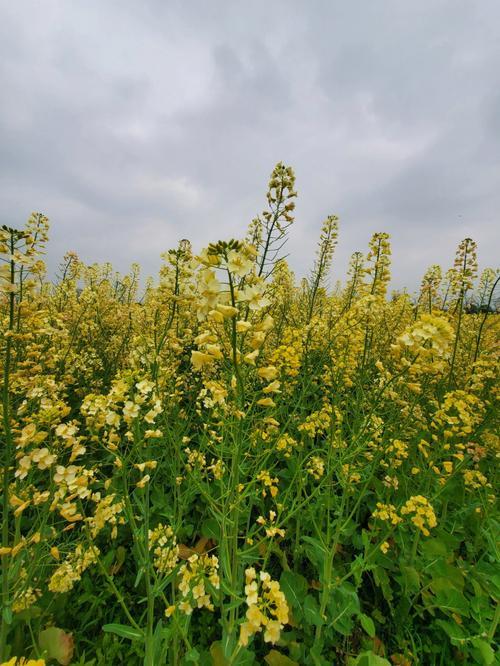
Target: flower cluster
x=270 y=526
x=71 y=570
x=269 y=483
x=267 y=607
x=199 y=578
x=318 y=422
x=388 y=513
x=163 y=544
x=421 y=512
x=429 y=335
x=316 y=467
x=286 y=445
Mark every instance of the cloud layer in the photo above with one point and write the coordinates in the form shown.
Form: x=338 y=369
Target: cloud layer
x=134 y=124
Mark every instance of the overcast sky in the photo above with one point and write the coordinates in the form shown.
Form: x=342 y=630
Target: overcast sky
x=135 y=123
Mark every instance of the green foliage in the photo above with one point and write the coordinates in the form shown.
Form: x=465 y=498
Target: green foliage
x=231 y=469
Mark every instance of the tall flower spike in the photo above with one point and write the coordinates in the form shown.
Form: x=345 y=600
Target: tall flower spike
x=429 y=288
x=355 y=273
x=324 y=255
x=379 y=262
x=277 y=219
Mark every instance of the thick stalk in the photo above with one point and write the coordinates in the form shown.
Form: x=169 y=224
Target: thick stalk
x=269 y=239
x=483 y=321
x=368 y=332
x=459 y=323
x=8 y=453
x=329 y=557
x=150 y=656
x=233 y=495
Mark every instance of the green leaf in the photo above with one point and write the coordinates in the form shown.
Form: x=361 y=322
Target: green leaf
x=139 y=576
x=368 y=624
x=311 y=611
x=485 y=650
x=488 y=575
x=56 y=644
x=275 y=658
x=108 y=558
x=481 y=610
x=29 y=613
x=371 y=659
x=161 y=638
x=439 y=585
x=294 y=587
x=382 y=580
x=7 y=614
x=217 y=654
x=243 y=658
x=433 y=548
x=452 y=630
x=452 y=601
x=443 y=570
x=315 y=552
x=316 y=657
x=343 y=604
x=411 y=579
x=193 y=656
x=121 y=554
x=211 y=529
x=124 y=631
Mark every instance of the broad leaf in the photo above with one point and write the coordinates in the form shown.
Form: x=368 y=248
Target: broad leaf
x=311 y=611
x=371 y=659
x=57 y=644
x=294 y=587
x=124 y=631
x=275 y=658
x=368 y=624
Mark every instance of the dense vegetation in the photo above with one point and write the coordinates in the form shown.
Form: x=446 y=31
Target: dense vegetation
x=228 y=468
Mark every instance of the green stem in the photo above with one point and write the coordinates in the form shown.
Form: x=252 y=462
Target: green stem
x=233 y=496
x=8 y=452
x=483 y=322
x=110 y=581
x=150 y=656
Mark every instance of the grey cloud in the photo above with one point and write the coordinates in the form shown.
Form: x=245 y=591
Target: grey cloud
x=135 y=124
